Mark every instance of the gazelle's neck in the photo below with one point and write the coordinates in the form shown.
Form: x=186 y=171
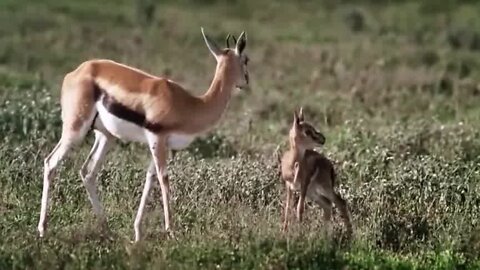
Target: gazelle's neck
x=222 y=85
x=214 y=102
x=297 y=150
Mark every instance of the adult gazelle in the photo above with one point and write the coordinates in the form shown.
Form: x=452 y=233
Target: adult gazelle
x=119 y=101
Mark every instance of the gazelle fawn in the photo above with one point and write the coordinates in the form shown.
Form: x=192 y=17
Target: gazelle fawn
x=310 y=173
x=118 y=101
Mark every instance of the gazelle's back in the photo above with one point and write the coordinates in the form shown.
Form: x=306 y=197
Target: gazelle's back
x=318 y=174
x=318 y=167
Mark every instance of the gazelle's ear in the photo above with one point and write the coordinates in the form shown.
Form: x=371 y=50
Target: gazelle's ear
x=296 y=120
x=241 y=43
x=300 y=115
x=212 y=46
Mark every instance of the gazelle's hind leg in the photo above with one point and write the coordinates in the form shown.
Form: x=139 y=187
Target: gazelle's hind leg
x=67 y=141
x=343 y=208
x=326 y=205
x=315 y=193
x=50 y=165
x=90 y=169
x=344 y=211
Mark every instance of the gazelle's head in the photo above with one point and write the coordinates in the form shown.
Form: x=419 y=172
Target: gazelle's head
x=303 y=135
x=235 y=55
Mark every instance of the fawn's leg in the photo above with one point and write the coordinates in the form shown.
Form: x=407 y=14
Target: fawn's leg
x=326 y=205
x=288 y=198
x=342 y=207
x=301 y=203
x=344 y=212
x=303 y=192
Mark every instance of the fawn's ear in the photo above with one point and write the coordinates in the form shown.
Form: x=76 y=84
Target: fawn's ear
x=300 y=115
x=296 y=119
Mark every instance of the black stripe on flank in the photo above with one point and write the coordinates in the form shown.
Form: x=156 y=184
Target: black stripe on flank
x=123 y=112
x=97 y=92
x=92 y=126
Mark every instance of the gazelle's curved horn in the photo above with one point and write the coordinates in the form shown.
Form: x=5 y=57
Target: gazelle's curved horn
x=212 y=46
x=227 y=39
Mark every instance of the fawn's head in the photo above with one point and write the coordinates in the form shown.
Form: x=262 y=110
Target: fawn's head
x=302 y=134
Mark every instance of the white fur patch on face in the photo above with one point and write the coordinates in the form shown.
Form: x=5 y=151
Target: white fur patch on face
x=120 y=128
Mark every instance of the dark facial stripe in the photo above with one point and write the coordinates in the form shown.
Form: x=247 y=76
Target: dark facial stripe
x=319 y=137
x=315 y=135
x=123 y=112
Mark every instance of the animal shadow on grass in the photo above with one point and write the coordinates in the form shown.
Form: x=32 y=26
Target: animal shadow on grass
x=91 y=232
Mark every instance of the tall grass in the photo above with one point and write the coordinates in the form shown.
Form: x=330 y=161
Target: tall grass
x=394 y=86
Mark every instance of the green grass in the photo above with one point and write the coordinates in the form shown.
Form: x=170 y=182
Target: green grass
x=394 y=86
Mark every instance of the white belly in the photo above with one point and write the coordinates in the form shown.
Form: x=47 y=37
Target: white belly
x=179 y=141
x=120 y=128
x=128 y=131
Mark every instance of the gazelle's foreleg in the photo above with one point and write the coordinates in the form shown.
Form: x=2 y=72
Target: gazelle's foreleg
x=301 y=204
x=303 y=191
x=288 y=199
x=90 y=169
x=151 y=173
x=158 y=166
x=50 y=165
x=159 y=150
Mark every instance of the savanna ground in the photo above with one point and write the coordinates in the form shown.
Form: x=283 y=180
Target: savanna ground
x=394 y=87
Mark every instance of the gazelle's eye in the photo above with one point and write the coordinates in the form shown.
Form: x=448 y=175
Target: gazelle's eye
x=246 y=60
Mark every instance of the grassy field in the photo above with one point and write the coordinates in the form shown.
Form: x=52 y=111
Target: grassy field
x=394 y=86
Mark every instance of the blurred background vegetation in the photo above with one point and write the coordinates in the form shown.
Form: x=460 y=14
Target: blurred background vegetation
x=394 y=86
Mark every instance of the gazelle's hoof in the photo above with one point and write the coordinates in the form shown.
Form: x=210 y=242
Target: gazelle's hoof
x=137 y=239
x=41 y=231
x=103 y=224
x=134 y=242
x=170 y=234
